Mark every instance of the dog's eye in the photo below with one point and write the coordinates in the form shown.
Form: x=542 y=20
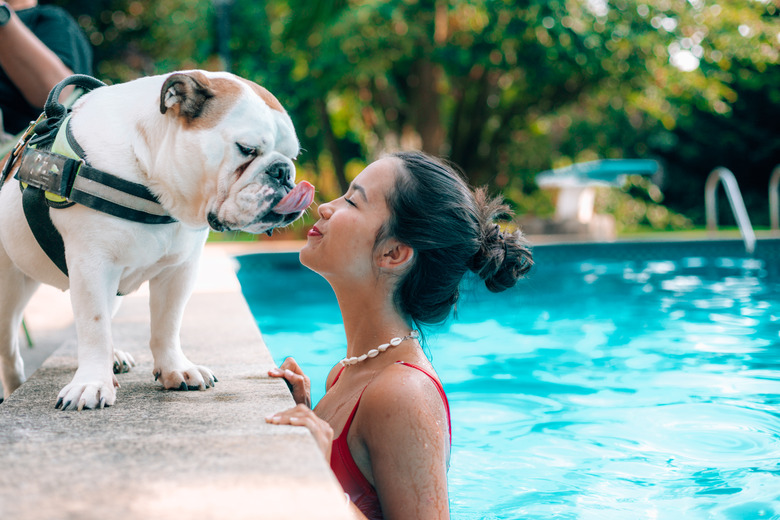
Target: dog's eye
x=246 y=150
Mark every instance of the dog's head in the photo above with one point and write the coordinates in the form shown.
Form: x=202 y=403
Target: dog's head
x=250 y=141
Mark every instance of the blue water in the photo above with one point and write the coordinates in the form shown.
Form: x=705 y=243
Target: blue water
x=617 y=382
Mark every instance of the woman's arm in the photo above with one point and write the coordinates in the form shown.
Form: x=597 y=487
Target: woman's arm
x=402 y=425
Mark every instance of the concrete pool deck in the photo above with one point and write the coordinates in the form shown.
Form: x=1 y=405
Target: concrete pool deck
x=161 y=454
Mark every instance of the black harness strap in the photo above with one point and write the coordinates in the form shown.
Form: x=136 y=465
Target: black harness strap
x=74 y=145
x=78 y=182
x=37 y=212
x=90 y=189
x=34 y=202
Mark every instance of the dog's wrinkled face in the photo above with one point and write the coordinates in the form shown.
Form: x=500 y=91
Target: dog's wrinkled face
x=251 y=143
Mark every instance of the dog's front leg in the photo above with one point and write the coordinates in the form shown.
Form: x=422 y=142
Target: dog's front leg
x=168 y=295
x=93 y=287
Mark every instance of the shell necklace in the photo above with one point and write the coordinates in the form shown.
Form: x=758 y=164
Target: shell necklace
x=374 y=352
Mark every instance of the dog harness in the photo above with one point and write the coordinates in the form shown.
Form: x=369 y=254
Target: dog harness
x=54 y=173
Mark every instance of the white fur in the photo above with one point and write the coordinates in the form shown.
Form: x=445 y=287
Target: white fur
x=194 y=172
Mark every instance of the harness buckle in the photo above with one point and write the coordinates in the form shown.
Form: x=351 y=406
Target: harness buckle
x=49 y=171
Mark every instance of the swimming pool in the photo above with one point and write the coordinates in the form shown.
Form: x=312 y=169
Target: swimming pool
x=619 y=381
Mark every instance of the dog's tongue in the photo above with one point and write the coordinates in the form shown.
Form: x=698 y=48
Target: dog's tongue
x=297 y=200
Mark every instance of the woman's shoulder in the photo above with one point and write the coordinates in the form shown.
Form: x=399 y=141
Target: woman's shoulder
x=402 y=388
x=403 y=405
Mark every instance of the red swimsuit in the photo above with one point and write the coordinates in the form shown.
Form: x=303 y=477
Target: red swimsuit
x=360 y=491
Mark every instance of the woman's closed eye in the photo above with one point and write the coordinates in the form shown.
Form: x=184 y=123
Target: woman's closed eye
x=352 y=192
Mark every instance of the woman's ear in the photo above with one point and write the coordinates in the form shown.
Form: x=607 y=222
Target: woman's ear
x=394 y=255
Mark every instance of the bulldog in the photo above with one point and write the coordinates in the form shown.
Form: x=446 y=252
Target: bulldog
x=215 y=150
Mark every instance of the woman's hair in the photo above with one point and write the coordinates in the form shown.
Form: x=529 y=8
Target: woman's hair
x=452 y=230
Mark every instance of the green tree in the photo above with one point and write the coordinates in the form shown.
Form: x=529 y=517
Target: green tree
x=506 y=89
x=503 y=88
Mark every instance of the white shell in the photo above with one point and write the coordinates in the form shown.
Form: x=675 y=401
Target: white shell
x=378 y=350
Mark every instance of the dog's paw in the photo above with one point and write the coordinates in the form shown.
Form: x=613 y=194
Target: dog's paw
x=123 y=361
x=193 y=377
x=84 y=393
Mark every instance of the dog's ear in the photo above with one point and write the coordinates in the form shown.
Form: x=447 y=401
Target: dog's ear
x=185 y=94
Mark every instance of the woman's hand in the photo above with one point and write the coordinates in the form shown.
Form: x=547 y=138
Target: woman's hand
x=296 y=380
x=302 y=415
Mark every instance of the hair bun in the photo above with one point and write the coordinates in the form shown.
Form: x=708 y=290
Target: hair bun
x=503 y=257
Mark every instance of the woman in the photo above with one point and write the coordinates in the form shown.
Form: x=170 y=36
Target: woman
x=395 y=248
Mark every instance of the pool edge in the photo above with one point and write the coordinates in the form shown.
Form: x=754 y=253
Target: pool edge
x=161 y=453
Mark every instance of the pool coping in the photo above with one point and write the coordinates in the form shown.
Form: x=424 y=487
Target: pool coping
x=155 y=453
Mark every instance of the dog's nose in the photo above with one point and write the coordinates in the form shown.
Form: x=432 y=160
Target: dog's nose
x=214 y=222
x=282 y=172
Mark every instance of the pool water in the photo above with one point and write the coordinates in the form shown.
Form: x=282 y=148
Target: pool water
x=626 y=381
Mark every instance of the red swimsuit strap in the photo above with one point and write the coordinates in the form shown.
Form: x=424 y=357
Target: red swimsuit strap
x=338 y=375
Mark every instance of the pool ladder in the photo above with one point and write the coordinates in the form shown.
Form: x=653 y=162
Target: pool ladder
x=734 y=196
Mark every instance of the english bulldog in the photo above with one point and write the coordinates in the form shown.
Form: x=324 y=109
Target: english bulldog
x=216 y=150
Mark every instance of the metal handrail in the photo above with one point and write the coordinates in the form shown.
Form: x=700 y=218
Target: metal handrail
x=735 y=200
x=774 y=199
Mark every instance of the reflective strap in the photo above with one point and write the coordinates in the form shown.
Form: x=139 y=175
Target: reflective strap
x=118 y=197
x=101 y=191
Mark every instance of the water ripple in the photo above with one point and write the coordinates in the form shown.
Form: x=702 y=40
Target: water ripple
x=707 y=434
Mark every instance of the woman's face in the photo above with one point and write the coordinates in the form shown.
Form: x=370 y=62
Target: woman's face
x=341 y=243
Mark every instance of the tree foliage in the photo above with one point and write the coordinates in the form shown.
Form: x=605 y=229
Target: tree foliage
x=503 y=88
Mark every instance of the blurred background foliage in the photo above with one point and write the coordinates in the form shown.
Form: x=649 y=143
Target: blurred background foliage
x=503 y=88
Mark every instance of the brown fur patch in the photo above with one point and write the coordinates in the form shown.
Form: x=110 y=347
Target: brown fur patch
x=226 y=94
x=263 y=92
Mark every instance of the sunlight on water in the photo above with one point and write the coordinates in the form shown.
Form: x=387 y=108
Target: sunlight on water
x=594 y=390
